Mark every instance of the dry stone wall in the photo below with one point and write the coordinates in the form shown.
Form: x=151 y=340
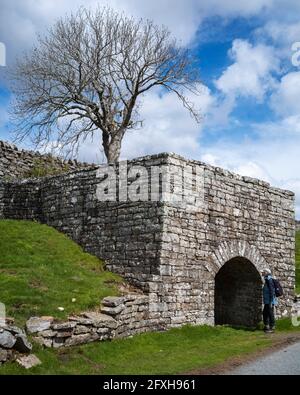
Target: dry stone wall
x=119 y=317
x=15 y=163
x=13 y=342
x=241 y=217
x=172 y=249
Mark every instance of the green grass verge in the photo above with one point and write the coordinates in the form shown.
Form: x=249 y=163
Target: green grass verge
x=298 y=262
x=41 y=270
x=176 y=351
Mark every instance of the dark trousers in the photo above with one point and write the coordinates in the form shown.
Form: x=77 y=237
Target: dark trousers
x=269 y=317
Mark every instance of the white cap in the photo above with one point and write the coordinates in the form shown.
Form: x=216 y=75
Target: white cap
x=266 y=270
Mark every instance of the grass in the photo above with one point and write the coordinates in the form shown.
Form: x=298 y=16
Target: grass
x=42 y=168
x=298 y=262
x=41 y=270
x=176 y=351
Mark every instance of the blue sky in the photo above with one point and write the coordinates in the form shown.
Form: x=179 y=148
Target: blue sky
x=250 y=101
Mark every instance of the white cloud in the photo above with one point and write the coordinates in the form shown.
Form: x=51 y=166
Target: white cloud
x=251 y=72
x=235 y=158
x=234 y=8
x=20 y=20
x=167 y=127
x=283 y=10
x=252 y=169
x=4 y=117
x=272 y=158
x=249 y=76
x=286 y=98
x=282 y=33
x=288 y=127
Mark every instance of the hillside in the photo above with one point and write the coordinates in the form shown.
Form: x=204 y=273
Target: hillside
x=42 y=270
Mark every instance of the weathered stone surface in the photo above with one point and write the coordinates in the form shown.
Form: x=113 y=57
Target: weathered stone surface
x=112 y=310
x=113 y=301
x=81 y=320
x=64 y=334
x=7 y=340
x=13 y=340
x=29 y=361
x=15 y=330
x=46 y=342
x=48 y=333
x=64 y=326
x=38 y=324
x=101 y=320
x=3 y=355
x=81 y=339
x=80 y=329
x=16 y=163
x=103 y=331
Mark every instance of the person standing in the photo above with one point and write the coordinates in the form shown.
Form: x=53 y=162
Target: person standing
x=270 y=301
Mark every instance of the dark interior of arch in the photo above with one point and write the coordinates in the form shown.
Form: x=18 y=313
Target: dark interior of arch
x=238 y=294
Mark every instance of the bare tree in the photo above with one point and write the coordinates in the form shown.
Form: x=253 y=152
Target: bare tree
x=87 y=74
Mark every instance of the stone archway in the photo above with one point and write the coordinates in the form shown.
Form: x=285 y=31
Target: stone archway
x=238 y=297
x=236 y=268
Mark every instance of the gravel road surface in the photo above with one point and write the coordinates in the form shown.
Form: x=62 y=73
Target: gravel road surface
x=282 y=362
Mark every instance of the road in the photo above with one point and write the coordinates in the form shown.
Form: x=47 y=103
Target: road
x=282 y=362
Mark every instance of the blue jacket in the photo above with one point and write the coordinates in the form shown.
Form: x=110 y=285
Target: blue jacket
x=269 y=295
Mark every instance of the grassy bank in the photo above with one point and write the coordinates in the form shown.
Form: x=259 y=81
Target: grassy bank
x=42 y=270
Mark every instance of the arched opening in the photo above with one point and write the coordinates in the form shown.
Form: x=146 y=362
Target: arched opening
x=238 y=294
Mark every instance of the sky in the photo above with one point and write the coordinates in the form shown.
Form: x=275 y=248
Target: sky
x=249 y=62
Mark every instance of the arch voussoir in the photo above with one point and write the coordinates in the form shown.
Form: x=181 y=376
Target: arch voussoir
x=236 y=248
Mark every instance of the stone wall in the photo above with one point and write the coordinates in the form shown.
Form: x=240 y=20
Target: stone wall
x=13 y=342
x=119 y=317
x=241 y=217
x=16 y=163
x=119 y=232
x=173 y=251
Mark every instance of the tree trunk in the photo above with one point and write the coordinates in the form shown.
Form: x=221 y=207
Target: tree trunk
x=112 y=148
